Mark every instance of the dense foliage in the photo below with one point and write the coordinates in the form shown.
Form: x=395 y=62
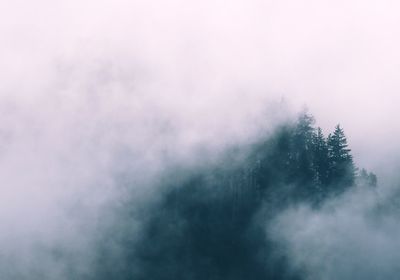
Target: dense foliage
x=210 y=223
x=316 y=167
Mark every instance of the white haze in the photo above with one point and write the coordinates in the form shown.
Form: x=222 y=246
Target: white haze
x=91 y=89
x=354 y=237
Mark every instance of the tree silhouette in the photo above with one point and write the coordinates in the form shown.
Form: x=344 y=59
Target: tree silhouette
x=206 y=222
x=341 y=167
x=301 y=154
x=366 y=178
x=321 y=161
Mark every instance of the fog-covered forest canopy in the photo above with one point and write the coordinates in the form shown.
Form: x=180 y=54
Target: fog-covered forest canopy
x=166 y=140
x=210 y=223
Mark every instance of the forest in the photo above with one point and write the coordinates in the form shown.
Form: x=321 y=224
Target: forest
x=210 y=223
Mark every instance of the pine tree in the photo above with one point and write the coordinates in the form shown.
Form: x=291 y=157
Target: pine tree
x=365 y=178
x=341 y=167
x=301 y=153
x=321 y=160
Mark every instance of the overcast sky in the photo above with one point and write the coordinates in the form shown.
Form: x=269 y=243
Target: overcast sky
x=90 y=89
x=340 y=58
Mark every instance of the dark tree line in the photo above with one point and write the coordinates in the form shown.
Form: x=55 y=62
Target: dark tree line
x=210 y=223
x=315 y=166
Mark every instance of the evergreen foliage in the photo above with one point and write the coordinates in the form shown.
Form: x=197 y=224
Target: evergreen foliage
x=366 y=178
x=315 y=166
x=206 y=223
x=341 y=167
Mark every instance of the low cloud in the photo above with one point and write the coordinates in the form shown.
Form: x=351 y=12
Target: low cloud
x=352 y=237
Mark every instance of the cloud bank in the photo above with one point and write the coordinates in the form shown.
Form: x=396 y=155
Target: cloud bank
x=94 y=91
x=349 y=238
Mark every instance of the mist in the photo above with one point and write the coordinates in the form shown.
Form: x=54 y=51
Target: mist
x=107 y=107
x=350 y=238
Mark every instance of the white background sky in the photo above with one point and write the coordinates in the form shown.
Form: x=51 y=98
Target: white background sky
x=215 y=58
x=89 y=89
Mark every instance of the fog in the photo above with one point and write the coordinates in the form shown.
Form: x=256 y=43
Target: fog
x=98 y=98
x=350 y=238
x=326 y=55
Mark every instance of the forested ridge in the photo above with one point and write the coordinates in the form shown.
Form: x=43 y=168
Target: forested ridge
x=210 y=223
